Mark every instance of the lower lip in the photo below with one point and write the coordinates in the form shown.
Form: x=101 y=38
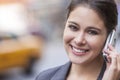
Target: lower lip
x=78 y=54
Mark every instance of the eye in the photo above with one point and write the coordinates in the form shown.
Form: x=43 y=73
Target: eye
x=92 y=32
x=73 y=27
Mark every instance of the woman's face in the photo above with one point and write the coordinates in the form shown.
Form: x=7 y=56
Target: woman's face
x=84 y=35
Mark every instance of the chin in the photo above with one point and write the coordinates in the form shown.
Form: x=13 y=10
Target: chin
x=78 y=60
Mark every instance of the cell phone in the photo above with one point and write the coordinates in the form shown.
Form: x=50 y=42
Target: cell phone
x=111 y=39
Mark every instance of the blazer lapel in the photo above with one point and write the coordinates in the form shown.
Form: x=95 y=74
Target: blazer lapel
x=62 y=72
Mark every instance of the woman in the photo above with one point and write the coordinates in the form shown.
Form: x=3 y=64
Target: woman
x=87 y=28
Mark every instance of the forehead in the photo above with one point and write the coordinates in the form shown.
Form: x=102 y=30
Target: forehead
x=81 y=11
x=86 y=15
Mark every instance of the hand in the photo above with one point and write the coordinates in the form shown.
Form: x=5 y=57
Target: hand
x=113 y=65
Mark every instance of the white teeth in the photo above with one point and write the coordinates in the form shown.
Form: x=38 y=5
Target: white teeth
x=78 y=50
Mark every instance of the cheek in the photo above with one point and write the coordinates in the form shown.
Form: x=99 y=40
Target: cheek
x=67 y=36
x=96 y=43
x=66 y=40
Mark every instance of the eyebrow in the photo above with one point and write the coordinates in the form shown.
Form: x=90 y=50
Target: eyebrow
x=73 y=23
x=89 y=27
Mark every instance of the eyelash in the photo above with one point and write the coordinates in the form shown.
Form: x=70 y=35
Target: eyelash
x=73 y=27
x=92 y=32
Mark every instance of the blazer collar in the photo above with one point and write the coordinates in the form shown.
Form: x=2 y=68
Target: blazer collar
x=62 y=72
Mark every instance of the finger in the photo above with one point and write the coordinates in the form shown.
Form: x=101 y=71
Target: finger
x=113 y=67
x=118 y=63
x=111 y=48
x=106 y=51
x=114 y=62
x=118 y=66
x=113 y=57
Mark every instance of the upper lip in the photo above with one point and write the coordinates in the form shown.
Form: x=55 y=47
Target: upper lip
x=80 y=48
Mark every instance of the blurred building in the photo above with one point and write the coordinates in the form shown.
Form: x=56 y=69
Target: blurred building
x=12 y=17
x=19 y=46
x=118 y=28
x=50 y=16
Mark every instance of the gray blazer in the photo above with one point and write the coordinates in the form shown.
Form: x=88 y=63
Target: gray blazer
x=60 y=73
x=57 y=73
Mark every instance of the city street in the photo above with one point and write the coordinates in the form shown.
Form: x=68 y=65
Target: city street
x=43 y=16
x=53 y=55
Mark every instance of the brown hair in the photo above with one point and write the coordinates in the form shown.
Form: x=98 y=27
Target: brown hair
x=106 y=9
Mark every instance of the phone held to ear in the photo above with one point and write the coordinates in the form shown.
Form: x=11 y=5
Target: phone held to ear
x=110 y=40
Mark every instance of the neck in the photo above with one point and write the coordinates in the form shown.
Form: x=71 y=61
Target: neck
x=91 y=69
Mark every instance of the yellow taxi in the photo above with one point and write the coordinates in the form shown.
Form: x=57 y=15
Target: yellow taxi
x=18 y=47
x=20 y=51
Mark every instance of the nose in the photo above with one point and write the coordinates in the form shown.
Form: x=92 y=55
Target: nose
x=80 y=39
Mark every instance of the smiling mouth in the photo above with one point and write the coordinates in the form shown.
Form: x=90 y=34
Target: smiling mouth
x=79 y=51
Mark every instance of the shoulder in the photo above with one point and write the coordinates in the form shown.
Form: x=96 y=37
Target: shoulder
x=45 y=75
x=49 y=73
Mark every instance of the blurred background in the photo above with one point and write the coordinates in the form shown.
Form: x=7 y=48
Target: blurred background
x=31 y=37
